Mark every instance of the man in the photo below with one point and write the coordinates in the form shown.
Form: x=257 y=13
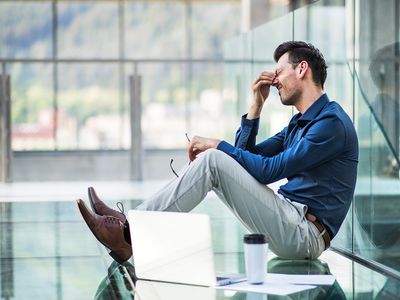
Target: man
x=317 y=152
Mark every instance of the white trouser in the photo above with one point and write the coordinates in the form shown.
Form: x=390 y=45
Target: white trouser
x=290 y=234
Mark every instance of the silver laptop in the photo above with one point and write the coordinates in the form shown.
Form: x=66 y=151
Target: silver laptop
x=175 y=247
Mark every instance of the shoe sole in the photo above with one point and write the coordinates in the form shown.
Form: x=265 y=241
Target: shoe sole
x=91 y=201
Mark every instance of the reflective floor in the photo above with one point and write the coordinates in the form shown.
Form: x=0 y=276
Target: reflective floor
x=47 y=252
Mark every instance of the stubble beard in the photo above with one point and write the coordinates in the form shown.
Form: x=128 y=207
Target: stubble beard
x=292 y=98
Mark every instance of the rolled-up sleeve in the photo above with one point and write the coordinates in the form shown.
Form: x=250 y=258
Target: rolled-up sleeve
x=322 y=142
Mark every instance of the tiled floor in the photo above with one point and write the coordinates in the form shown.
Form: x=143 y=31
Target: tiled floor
x=47 y=252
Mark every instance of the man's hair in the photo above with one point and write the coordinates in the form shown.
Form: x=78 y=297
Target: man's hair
x=384 y=63
x=299 y=51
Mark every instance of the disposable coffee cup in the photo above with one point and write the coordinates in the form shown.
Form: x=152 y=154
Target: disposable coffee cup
x=255 y=257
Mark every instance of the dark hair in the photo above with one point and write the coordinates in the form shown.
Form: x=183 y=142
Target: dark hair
x=384 y=63
x=299 y=51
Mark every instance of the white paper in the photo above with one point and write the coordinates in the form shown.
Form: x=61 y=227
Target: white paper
x=283 y=284
x=267 y=288
x=300 y=279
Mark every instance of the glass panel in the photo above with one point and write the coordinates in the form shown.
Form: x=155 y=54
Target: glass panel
x=45 y=255
x=207 y=114
x=88 y=106
x=165 y=111
x=36 y=279
x=81 y=240
x=32 y=106
x=163 y=37
x=26 y=29
x=377 y=93
x=264 y=43
x=211 y=24
x=372 y=285
x=91 y=272
x=44 y=212
x=237 y=77
x=88 y=30
x=43 y=245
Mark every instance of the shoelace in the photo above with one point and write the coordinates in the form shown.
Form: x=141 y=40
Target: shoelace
x=120 y=206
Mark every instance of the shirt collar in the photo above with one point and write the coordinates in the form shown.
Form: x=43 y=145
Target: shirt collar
x=313 y=110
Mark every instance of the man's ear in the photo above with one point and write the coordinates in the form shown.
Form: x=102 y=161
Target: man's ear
x=302 y=69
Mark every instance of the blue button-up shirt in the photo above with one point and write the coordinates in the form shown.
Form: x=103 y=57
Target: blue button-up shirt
x=317 y=153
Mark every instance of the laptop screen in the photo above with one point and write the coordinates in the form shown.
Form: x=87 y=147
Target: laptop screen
x=172 y=247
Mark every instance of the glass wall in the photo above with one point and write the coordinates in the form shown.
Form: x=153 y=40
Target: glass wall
x=376 y=95
x=362 y=50
x=69 y=63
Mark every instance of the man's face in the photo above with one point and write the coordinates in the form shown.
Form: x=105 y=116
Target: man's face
x=287 y=82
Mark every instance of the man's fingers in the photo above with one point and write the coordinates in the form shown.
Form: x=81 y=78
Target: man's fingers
x=193 y=154
x=199 y=144
x=267 y=73
x=266 y=77
x=190 y=148
x=275 y=81
x=264 y=80
x=260 y=83
x=193 y=148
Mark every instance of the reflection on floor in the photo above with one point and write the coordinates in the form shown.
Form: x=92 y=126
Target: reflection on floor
x=47 y=252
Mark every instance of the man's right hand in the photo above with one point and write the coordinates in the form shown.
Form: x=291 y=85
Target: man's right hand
x=261 y=87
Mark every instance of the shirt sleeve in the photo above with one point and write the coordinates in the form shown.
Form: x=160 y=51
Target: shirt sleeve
x=245 y=139
x=323 y=141
x=247 y=132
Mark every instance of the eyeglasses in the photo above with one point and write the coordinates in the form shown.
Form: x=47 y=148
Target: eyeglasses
x=172 y=160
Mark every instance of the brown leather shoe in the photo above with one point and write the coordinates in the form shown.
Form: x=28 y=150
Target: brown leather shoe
x=100 y=208
x=109 y=231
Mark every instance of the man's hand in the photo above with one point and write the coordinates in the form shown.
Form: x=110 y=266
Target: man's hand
x=261 y=87
x=200 y=144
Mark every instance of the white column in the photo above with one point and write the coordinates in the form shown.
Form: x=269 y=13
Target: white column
x=136 y=152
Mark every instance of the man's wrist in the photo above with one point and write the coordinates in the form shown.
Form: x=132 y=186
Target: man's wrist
x=254 y=112
x=216 y=143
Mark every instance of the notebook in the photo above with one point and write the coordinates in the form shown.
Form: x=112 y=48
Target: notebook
x=175 y=247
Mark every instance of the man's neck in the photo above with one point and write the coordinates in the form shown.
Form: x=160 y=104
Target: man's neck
x=307 y=98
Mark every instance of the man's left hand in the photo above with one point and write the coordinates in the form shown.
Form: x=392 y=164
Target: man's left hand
x=200 y=144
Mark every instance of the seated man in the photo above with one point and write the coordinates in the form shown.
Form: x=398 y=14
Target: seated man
x=317 y=152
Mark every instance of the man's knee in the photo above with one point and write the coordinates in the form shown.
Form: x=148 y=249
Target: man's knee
x=212 y=157
x=212 y=153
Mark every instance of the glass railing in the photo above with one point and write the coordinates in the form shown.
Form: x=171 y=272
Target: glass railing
x=376 y=223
